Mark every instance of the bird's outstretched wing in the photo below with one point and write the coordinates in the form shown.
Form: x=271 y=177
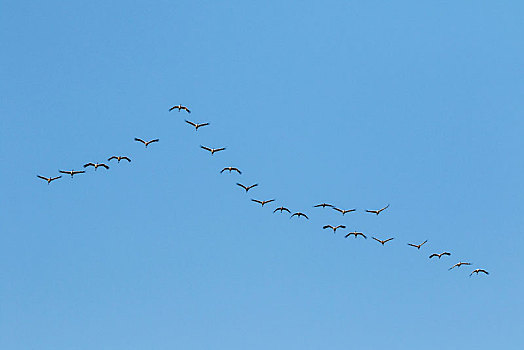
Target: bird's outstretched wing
x=103 y=165
x=155 y=140
x=113 y=157
x=378 y=240
x=190 y=122
x=206 y=148
x=64 y=172
x=126 y=158
x=432 y=255
x=88 y=164
x=219 y=149
x=256 y=200
x=43 y=178
x=446 y=253
x=244 y=187
x=389 y=239
x=55 y=178
x=139 y=140
x=413 y=245
x=203 y=124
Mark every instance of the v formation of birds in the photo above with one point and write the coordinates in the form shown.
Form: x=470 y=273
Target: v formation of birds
x=262 y=203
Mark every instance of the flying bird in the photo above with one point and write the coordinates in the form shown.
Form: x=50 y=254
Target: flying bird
x=439 y=255
x=96 y=165
x=383 y=242
x=418 y=245
x=323 y=205
x=49 y=179
x=459 y=264
x=356 y=234
x=119 y=158
x=378 y=211
x=230 y=168
x=212 y=150
x=179 y=107
x=263 y=202
x=146 y=142
x=334 y=228
x=281 y=210
x=196 y=125
x=299 y=214
x=477 y=272
x=344 y=211
x=72 y=172
x=247 y=188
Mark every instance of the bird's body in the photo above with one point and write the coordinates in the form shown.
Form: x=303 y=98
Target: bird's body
x=356 y=234
x=247 y=188
x=146 y=143
x=119 y=158
x=383 y=241
x=180 y=107
x=49 y=179
x=299 y=214
x=418 y=245
x=439 y=255
x=344 y=211
x=334 y=228
x=479 y=270
x=196 y=125
x=281 y=209
x=263 y=202
x=322 y=205
x=230 y=168
x=96 y=165
x=72 y=172
x=459 y=264
x=378 y=211
x=212 y=150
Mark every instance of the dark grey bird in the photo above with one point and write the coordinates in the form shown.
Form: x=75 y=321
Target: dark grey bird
x=281 y=209
x=344 y=211
x=96 y=165
x=262 y=202
x=49 y=179
x=247 y=188
x=356 y=234
x=299 y=214
x=230 y=168
x=334 y=228
x=383 y=241
x=418 y=245
x=180 y=107
x=146 y=143
x=378 y=211
x=459 y=264
x=323 y=205
x=196 y=125
x=72 y=172
x=212 y=150
x=119 y=158
x=439 y=255
x=479 y=270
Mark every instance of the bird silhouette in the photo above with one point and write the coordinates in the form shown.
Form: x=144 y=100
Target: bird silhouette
x=378 y=211
x=439 y=255
x=247 y=188
x=96 y=165
x=323 y=205
x=263 y=202
x=72 y=172
x=383 y=241
x=230 y=168
x=196 y=125
x=356 y=234
x=344 y=211
x=212 y=150
x=477 y=272
x=299 y=214
x=49 y=179
x=459 y=264
x=281 y=209
x=180 y=107
x=146 y=143
x=418 y=245
x=334 y=228
x=119 y=158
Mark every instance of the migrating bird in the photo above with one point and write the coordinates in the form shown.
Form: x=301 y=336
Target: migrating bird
x=230 y=168
x=281 y=210
x=96 y=165
x=477 y=272
x=263 y=202
x=72 y=172
x=418 y=245
x=383 y=242
x=334 y=228
x=299 y=214
x=196 y=125
x=323 y=205
x=378 y=211
x=344 y=211
x=119 y=158
x=459 y=264
x=49 y=179
x=355 y=234
x=179 y=107
x=212 y=150
x=439 y=255
x=146 y=142
x=247 y=188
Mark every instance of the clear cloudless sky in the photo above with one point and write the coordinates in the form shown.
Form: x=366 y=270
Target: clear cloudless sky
x=356 y=103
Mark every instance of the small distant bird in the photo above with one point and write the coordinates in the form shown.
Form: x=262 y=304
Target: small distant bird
x=439 y=255
x=196 y=125
x=355 y=234
x=418 y=245
x=323 y=205
x=334 y=228
x=247 y=188
x=263 y=202
x=212 y=150
x=378 y=211
x=383 y=242
x=49 y=179
x=459 y=264
x=146 y=142
x=96 y=165
x=119 y=158
x=179 y=107
x=344 y=211
x=299 y=214
x=230 y=168
x=477 y=272
x=72 y=172
x=281 y=209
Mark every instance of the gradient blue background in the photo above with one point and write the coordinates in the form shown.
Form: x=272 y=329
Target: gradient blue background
x=357 y=103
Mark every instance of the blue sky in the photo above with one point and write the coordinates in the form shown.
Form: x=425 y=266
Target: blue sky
x=359 y=104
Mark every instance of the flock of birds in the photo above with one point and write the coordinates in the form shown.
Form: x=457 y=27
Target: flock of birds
x=280 y=209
